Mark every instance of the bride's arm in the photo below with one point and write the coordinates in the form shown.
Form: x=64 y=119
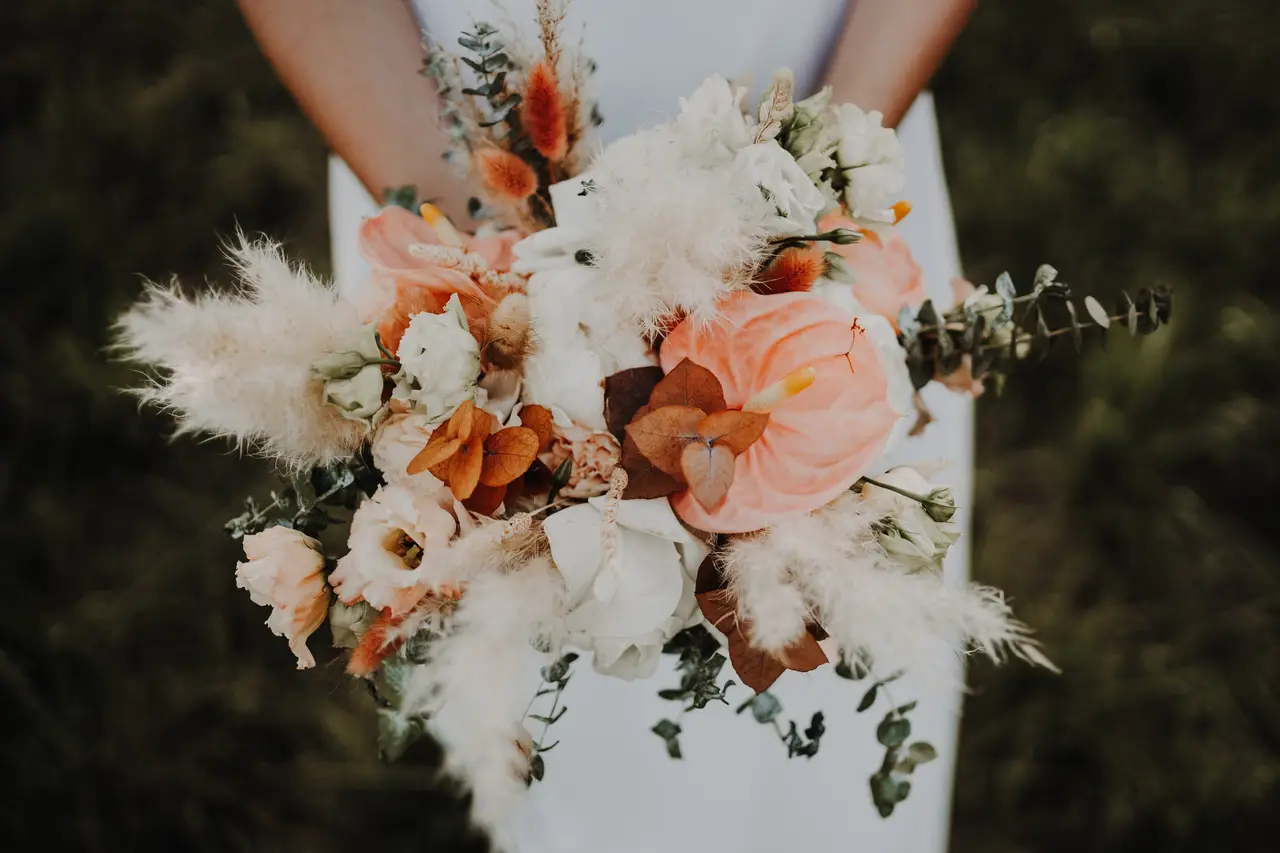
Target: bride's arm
x=890 y=48
x=352 y=65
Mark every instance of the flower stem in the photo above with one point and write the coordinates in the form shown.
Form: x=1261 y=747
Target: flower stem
x=912 y=495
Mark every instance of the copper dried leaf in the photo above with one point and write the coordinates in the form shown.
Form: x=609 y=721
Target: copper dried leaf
x=625 y=393
x=464 y=468
x=720 y=609
x=734 y=430
x=538 y=419
x=462 y=421
x=690 y=385
x=710 y=577
x=708 y=469
x=643 y=479
x=508 y=453
x=485 y=500
x=757 y=668
x=438 y=449
x=804 y=654
x=662 y=434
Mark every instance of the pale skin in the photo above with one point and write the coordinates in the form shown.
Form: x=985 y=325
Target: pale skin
x=353 y=66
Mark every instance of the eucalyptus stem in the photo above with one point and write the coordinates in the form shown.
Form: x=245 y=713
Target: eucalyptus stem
x=906 y=494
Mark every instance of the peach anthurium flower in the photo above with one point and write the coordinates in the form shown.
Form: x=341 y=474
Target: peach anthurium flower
x=819 y=441
x=420 y=283
x=886 y=276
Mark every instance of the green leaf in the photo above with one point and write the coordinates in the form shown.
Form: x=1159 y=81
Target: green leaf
x=893 y=730
x=537 y=767
x=1096 y=312
x=673 y=694
x=922 y=752
x=903 y=710
x=765 y=708
x=560 y=669
x=854 y=670
x=869 y=698
x=396 y=734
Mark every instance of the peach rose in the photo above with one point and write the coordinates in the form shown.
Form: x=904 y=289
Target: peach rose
x=391 y=534
x=594 y=453
x=885 y=275
x=819 y=441
x=285 y=571
x=422 y=284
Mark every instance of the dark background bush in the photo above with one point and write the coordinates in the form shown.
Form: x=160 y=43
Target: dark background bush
x=1124 y=499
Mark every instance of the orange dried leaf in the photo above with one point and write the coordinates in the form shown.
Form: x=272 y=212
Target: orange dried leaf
x=538 y=419
x=661 y=435
x=804 y=654
x=708 y=469
x=757 y=668
x=691 y=385
x=734 y=430
x=438 y=450
x=485 y=500
x=643 y=479
x=460 y=422
x=464 y=468
x=508 y=453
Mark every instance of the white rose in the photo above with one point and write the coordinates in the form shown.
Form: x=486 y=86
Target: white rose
x=439 y=362
x=711 y=123
x=353 y=378
x=398 y=439
x=788 y=190
x=625 y=612
x=392 y=535
x=285 y=571
x=871 y=159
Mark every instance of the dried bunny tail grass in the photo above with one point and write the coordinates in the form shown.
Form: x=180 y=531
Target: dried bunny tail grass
x=504 y=174
x=793 y=270
x=671 y=236
x=508 y=336
x=868 y=604
x=542 y=112
x=238 y=364
x=472 y=685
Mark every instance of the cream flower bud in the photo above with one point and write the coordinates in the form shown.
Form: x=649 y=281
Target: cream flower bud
x=353 y=378
x=285 y=571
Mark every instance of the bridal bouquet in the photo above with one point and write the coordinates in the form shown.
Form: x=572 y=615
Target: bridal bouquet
x=640 y=410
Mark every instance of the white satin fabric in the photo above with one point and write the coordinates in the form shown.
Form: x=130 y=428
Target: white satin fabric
x=610 y=787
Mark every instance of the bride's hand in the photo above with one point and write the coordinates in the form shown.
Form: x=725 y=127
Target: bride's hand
x=890 y=48
x=353 y=67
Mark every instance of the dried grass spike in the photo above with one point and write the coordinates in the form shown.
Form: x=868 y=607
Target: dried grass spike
x=542 y=113
x=509 y=177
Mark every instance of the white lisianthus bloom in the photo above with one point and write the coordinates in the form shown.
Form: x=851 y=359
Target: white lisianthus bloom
x=392 y=533
x=871 y=161
x=711 y=123
x=284 y=570
x=907 y=532
x=795 y=199
x=439 y=362
x=353 y=378
x=397 y=440
x=626 y=610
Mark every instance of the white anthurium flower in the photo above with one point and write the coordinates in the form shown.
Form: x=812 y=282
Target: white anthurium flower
x=902 y=392
x=353 y=378
x=626 y=609
x=786 y=188
x=711 y=122
x=439 y=362
x=870 y=157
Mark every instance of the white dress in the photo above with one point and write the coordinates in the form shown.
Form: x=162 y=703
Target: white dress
x=610 y=787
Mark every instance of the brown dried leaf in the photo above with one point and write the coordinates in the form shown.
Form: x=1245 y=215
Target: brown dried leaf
x=757 y=668
x=438 y=450
x=804 y=655
x=709 y=575
x=643 y=479
x=625 y=393
x=462 y=421
x=708 y=469
x=734 y=430
x=662 y=434
x=538 y=419
x=691 y=385
x=508 y=453
x=464 y=467
x=485 y=500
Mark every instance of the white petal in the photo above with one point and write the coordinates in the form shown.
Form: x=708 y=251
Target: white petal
x=574 y=536
x=649 y=586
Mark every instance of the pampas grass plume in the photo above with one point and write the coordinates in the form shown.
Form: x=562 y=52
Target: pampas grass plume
x=508 y=333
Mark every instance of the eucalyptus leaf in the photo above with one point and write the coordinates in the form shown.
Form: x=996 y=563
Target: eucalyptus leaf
x=1096 y=312
x=765 y=708
x=893 y=730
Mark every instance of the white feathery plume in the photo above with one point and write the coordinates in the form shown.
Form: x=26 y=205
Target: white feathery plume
x=671 y=235
x=238 y=364
x=473 y=684
x=774 y=607
x=867 y=602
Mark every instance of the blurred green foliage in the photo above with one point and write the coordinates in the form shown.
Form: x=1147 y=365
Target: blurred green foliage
x=1124 y=499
